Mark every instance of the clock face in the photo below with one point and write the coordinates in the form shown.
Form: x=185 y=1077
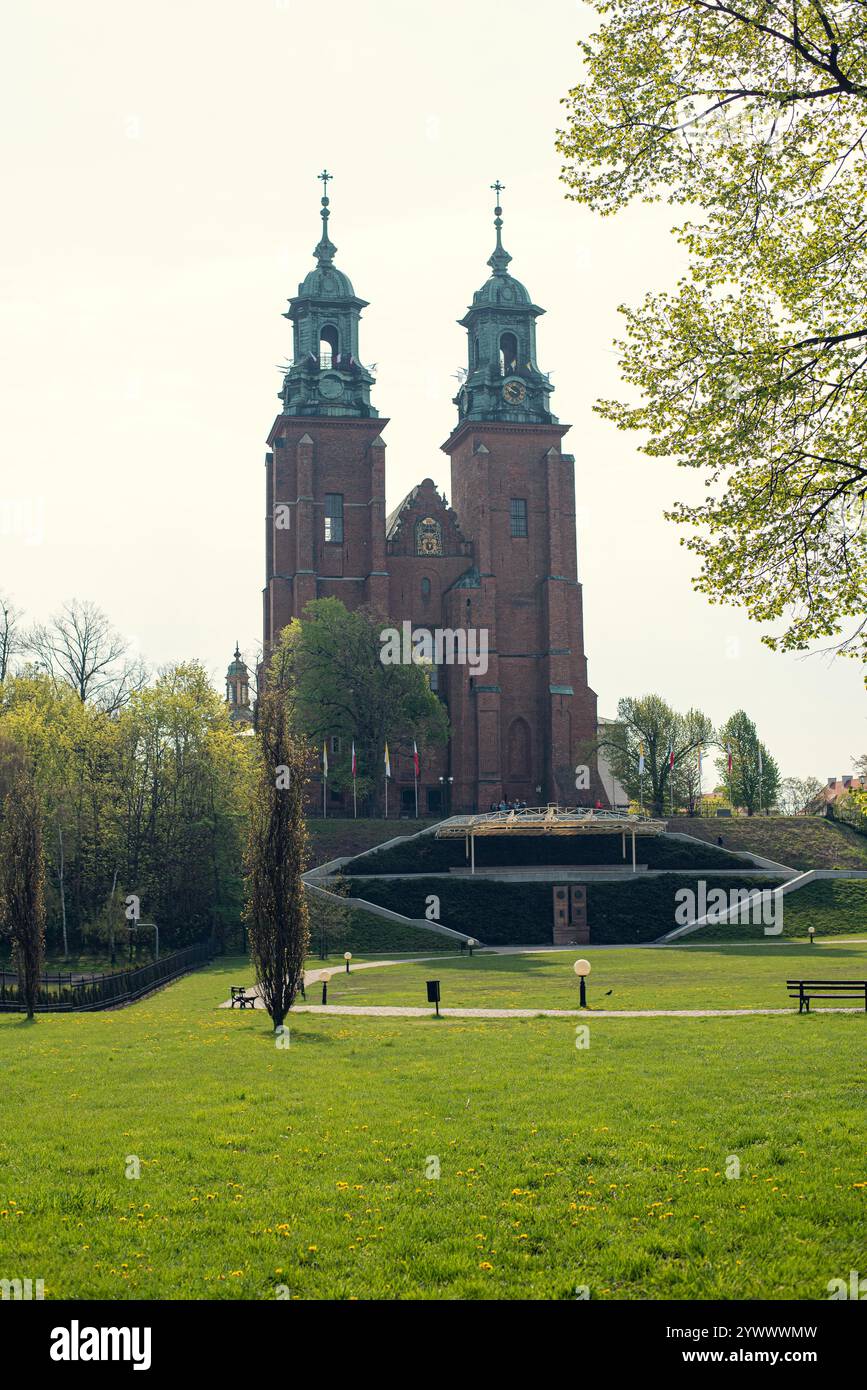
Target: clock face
x=514 y=392
x=331 y=387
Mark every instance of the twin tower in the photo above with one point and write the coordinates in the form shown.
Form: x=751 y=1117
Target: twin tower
x=501 y=559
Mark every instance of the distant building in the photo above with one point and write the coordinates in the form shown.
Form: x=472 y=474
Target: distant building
x=238 y=692
x=836 y=788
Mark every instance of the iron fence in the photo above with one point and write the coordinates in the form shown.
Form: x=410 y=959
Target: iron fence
x=69 y=991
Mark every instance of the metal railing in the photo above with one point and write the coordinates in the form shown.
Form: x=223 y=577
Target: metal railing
x=70 y=992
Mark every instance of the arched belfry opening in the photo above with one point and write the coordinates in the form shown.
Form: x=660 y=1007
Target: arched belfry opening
x=328 y=345
x=508 y=353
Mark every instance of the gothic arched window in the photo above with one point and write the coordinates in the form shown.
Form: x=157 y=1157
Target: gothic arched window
x=425 y=590
x=508 y=353
x=519 y=748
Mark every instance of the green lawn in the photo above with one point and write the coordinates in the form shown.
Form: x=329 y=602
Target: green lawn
x=687 y=977
x=306 y=1166
x=336 y=836
x=800 y=842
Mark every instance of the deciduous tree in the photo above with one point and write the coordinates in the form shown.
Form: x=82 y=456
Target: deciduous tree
x=751 y=116
x=22 y=881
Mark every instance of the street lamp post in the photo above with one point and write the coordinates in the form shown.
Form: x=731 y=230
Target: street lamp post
x=582 y=970
x=347 y=956
x=446 y=785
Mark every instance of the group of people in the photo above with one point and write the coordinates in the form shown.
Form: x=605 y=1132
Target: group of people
x=509 y=806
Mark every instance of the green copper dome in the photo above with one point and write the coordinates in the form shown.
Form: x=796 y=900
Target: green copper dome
x=326 y=282
x=326 y=376
x=502 y=288
x=503 y=380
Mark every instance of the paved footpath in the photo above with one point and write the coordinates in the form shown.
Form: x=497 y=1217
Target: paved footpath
x=406 y=1011
x=314 y=976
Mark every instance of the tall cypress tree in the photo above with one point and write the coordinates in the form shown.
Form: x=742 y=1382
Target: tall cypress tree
x=276 y=907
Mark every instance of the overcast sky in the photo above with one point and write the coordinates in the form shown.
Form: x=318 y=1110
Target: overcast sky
x=161 y=206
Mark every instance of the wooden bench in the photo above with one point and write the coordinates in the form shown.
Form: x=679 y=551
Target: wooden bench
x=805 y=990
x=242 y=998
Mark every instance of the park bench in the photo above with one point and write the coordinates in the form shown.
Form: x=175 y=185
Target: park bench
x=242 y=998
x=805 y=990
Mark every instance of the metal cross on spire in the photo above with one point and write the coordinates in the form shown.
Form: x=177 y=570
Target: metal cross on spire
x=324 y=252
x=500 y=259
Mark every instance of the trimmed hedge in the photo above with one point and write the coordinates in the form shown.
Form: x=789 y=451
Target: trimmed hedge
x=429 y=855
x=521 y=914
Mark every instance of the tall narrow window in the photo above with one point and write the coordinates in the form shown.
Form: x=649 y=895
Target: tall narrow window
x=425 y=590
x=518 y=516
x=328 y=346
x=334 y=517
x=508 y=353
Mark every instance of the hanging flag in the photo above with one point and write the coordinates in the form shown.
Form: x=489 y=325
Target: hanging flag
x=325 y=759
x=387 y=760
x=729 y=756
x=415 y=758
x=354 y=764
x=641 y=759
x=760 y=761
x=699 y=762
x=671 y=756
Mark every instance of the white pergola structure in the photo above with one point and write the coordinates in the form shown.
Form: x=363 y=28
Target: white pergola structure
x=546 y=820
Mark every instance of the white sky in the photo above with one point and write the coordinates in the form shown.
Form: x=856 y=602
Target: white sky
x=162 y=205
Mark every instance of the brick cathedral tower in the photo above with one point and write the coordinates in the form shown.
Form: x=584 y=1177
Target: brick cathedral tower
x=325 y=469
x=532 y=717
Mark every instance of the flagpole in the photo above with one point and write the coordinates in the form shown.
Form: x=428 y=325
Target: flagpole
x=354 y=800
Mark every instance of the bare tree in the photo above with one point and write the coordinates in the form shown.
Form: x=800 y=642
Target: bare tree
x=22 y=882
x=276 y=908
x=11 y=637
x=80 y=648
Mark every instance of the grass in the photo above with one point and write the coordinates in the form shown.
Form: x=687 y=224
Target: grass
x=800 y=842
x=307 y=1168
x=687 y=977
x=336 y=836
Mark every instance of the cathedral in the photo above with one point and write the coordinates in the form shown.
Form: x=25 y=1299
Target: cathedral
x=500 y=560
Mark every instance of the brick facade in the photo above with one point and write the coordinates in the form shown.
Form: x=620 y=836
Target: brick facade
x=518 y=730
